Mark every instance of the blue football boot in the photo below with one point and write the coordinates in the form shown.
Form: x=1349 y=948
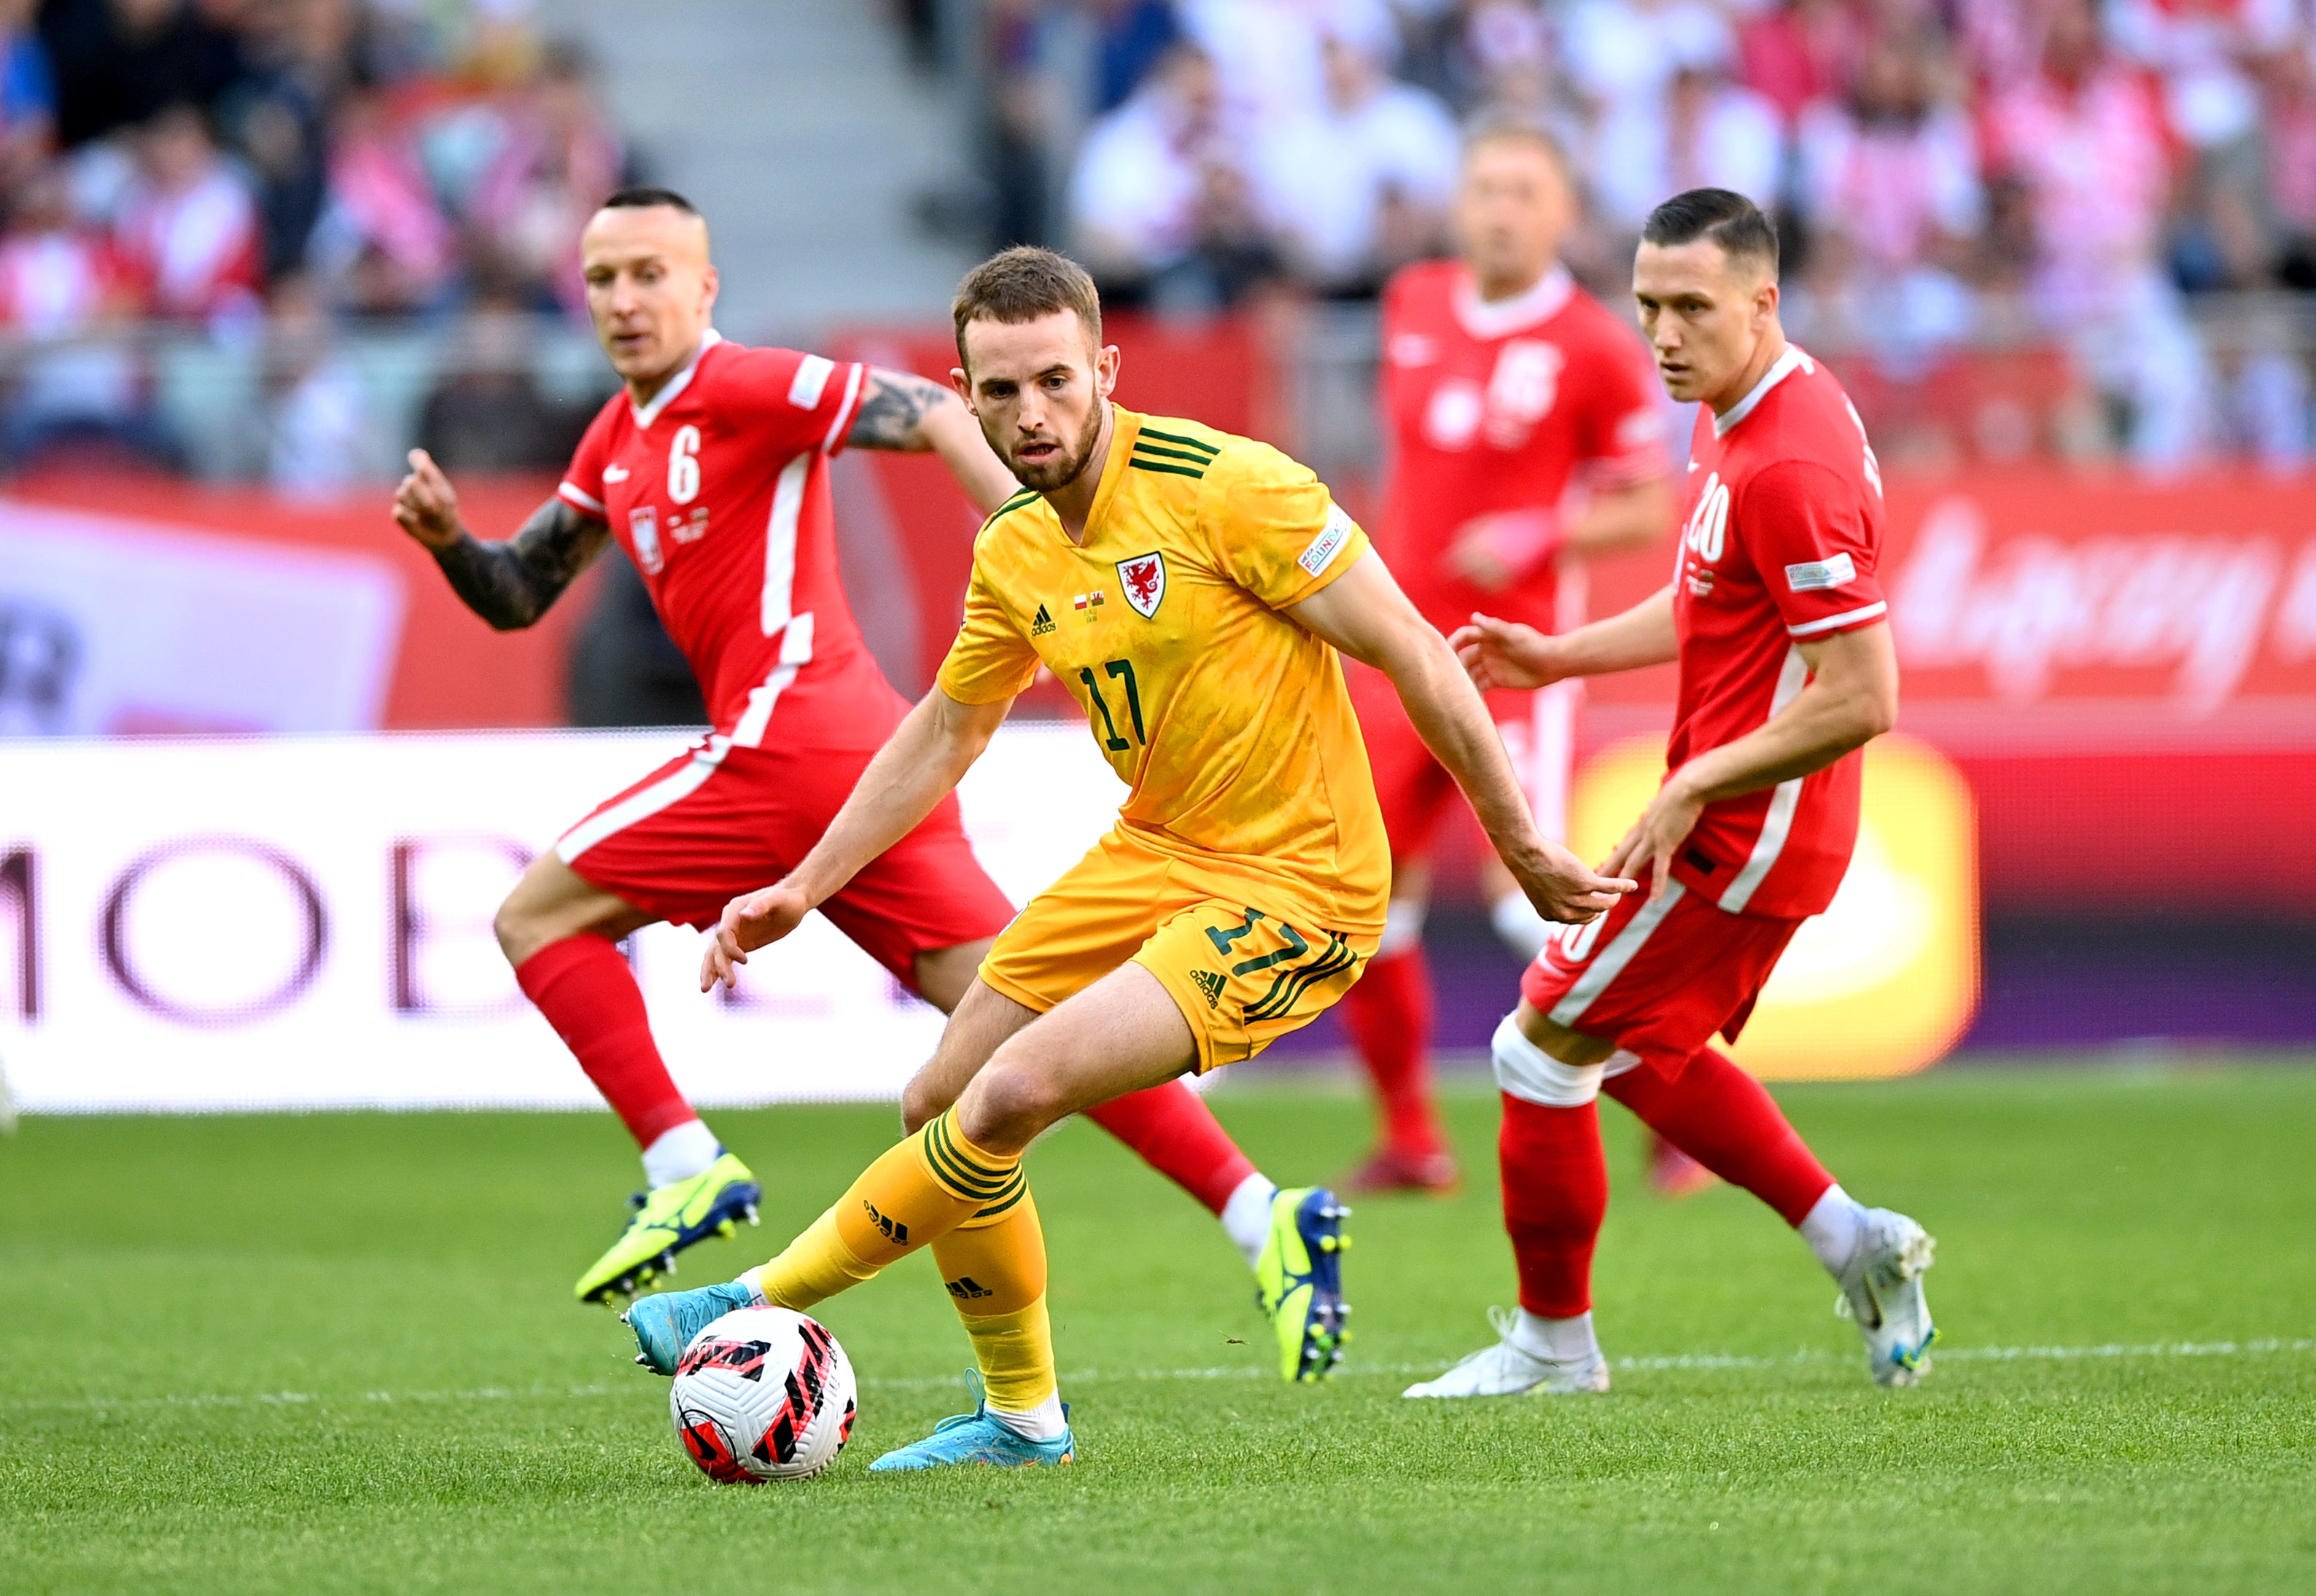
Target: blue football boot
x=975 y=1438
x=664 y=1324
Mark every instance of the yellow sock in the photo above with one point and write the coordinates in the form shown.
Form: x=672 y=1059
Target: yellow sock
x=995 y=1266
x=916 y=1192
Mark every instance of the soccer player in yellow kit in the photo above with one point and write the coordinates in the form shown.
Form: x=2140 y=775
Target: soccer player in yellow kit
x=1191 y=589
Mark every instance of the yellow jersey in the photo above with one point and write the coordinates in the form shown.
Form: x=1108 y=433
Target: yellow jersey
x=1230 y=723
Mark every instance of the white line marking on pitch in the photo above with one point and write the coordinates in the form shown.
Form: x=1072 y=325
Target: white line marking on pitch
x=1687 y=1360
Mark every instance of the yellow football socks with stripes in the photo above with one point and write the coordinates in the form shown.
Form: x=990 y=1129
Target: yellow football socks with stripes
x=995 y=1266
x=918 y=1191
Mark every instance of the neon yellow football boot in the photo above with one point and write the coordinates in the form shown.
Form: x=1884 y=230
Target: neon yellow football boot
x=667 y=1219
x=1298 y=1281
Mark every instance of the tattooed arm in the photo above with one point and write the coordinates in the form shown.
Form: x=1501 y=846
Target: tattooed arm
x=903 y=411
x=508 y=584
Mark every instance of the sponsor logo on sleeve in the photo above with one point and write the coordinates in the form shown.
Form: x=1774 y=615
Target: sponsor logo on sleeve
x=1817 y=575
x=1329 y=542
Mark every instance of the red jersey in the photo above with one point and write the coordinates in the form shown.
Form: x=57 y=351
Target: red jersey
x=1779 y=547
x=718 y=491
x=1503 y=407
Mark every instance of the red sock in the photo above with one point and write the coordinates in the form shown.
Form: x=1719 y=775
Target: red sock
x=1727 y=1122
x=588 y=994
x=1556 y=1195
x=1178 y=1135
x=1389 y=1016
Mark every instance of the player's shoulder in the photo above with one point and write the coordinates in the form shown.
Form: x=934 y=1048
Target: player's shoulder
x=1173 y=460
x=1423 y=290
x=1809 y=441
x=1588 y=319
x=729 y=368
x=1007 y=525
x=1176 y=446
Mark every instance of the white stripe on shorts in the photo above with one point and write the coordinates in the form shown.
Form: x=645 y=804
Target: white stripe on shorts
x=663 y=793
x=1610 y=961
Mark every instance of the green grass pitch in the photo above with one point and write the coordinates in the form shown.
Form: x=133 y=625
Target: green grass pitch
x=339 y=1353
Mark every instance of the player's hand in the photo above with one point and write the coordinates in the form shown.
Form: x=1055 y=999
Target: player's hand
x=1658 y=835
x=1504 y=654
x=426 y=505
x=1474 y=556
x=1562 y=889
x=756 y=921
x=1492 y=552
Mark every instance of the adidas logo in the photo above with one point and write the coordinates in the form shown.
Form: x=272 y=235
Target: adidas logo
x=965 y=1288
x=1043 y=624
x=1210 y=984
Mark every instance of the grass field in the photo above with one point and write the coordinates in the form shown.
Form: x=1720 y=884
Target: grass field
x=338 y=1354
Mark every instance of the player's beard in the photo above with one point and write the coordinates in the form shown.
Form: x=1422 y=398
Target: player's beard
x=1057 y=473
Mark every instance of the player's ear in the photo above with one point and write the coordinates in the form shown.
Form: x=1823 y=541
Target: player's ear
x=1106 y=360
x=1765 y=301
x=959 y=381
x=708 y=284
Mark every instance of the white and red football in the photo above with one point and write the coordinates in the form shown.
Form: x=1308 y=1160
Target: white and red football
x=762 y=1394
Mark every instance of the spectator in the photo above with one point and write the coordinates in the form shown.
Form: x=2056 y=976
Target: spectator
x=1266 y=55
x=486 y=413
x=1701 y=130
x=317 y=425
x=63 y=288
x=381 y=244
x=1799 y=52
x=1504 y=64
x=187 y=224
x=1361 y=186
x=559 y=161
x=2088 y=143
x=2288 y=163
x=1132 y=36
x=1890 y=186
x=28 y=96
x=1159 y=204
x=120 y=62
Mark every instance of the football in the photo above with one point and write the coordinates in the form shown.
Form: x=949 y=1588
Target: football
x=762 y=1394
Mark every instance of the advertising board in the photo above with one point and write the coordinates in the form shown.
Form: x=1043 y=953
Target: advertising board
x=191 y=924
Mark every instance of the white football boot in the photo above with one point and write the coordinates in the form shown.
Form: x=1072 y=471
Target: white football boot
x=1882 y=1290
x=1505 y=1370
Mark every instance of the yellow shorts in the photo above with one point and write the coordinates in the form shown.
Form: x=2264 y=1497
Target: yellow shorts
x=1242 y=975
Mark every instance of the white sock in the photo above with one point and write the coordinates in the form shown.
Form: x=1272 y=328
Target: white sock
x=1043 y=1423
x=1402 y=926
x=1556 y=1341
x=680 y=1153
x=1832 y=1228
x=1518 y=926
x=1246 y=1217
x=753 y=1279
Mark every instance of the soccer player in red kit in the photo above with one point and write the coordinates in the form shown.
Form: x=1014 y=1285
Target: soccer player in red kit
x=1527 y=435
x=710 y=471
x=1777 y=618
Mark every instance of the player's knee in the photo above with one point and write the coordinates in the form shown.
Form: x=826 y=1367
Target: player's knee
x=922 y=1102
x=1010 y=1101
x=517 y=932
x=1527 y=1071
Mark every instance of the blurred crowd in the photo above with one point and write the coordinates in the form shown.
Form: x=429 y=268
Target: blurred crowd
x=265 y=172
x=1944 y=172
